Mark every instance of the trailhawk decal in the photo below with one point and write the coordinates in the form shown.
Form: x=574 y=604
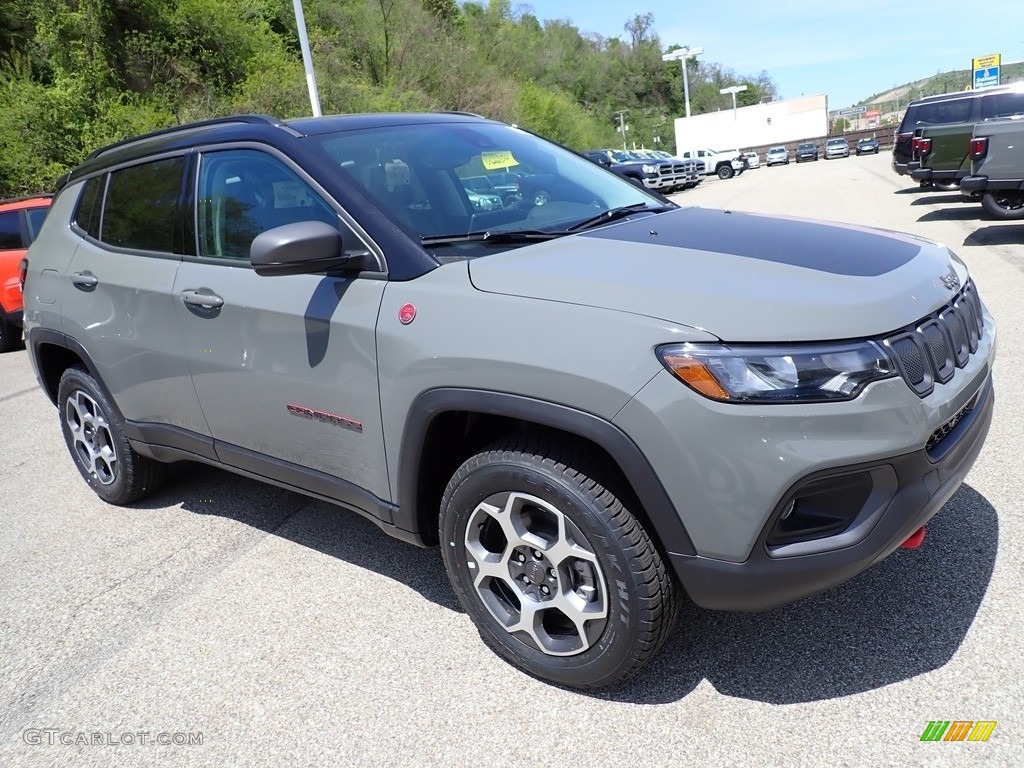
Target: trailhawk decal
x=827 y=247
x=324 y=417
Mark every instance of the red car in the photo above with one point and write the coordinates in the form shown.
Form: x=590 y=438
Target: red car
x=20 y=220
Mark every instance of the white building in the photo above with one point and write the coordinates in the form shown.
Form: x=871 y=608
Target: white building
x=777 y=122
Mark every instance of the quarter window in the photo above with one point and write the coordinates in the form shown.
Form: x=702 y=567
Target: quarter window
x=142 y=208
x=87 y=216
x=36 y=216
x=245 y=192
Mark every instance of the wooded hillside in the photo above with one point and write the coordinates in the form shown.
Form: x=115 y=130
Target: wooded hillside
x=77 y=74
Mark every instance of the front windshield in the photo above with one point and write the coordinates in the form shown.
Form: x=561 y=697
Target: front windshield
x=461 y=178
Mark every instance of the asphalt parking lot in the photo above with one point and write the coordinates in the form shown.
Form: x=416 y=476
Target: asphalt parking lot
x=246 y=625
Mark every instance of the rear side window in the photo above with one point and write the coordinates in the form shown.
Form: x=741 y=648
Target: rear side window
x=87 y=215
x=1002 y=105
x=939 y=112
x=10 y=231
x=142 y=209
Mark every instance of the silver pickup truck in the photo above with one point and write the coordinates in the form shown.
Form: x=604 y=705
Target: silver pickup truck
x=997 y=167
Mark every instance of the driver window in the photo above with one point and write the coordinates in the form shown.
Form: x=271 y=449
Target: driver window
x=244 y=192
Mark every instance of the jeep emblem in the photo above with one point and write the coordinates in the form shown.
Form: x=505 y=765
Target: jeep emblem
x=950 y=280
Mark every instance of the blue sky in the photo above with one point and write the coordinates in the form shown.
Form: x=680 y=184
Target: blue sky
x=847 y=50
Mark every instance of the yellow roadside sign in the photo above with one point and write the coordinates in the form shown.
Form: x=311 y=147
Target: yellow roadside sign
x=985 y=62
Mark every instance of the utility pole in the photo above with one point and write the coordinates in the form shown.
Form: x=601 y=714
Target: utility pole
x=622 y=125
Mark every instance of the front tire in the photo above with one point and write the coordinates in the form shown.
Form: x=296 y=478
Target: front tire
x=1001 y=207
x=558 y=575
x=725 y=172
x=94 y=434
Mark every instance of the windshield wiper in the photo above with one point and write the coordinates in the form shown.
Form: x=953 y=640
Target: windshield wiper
x=495 y=238
x=618 y=213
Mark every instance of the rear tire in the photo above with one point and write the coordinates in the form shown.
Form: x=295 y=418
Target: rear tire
x=10 y=335
x=1004 y=208
x=558 y=575
x=94 y=434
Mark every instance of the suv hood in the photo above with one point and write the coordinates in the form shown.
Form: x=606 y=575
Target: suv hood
x=739 y=276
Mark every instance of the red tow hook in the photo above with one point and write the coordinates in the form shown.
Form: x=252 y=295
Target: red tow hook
x=915 y=540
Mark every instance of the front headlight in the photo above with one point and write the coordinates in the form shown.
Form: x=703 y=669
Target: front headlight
x=649 y=168
x=797 y=373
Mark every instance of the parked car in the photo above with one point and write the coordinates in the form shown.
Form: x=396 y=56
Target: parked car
x=20 y=220
x=941 y=152
x=753 y=160
x=965 y=107
x=483 y=201
x=651 y=173
x=776 y=156
x=501 y=185
x=806 y=151
x=837 y=147
x=997 y=167
x=521 y=386
x=724 y=164
x=867 y=146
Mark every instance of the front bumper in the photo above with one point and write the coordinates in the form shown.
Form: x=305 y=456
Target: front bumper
x=908 y=491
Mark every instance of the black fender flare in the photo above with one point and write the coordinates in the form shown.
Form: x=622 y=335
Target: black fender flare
x=668 y=527
x=46 y=336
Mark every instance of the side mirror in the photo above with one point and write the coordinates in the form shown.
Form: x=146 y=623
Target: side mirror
x=304 y=247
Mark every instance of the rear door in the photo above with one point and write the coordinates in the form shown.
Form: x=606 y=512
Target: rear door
x=12 y=250
x=117 y=302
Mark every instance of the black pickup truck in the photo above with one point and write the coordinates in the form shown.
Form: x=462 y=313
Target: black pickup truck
x=660 y=175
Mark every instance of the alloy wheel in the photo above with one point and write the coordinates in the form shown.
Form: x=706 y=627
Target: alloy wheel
x=536 y=573
x=92 y=441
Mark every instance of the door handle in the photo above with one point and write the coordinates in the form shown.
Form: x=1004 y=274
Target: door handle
x=200 y=299
x=84 y=279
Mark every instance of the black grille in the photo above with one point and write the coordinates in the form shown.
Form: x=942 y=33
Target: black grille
x=934 y=347
x=939 y=434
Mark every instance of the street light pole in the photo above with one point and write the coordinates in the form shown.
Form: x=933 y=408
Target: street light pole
x=622 y=126
x=681 y=55
x=733 y=89
x=307 y=58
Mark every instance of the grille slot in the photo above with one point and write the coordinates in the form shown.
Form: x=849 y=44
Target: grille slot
x=940 y=343
x=940 y=434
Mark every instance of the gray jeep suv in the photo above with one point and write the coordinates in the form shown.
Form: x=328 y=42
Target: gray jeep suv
x=595 y=406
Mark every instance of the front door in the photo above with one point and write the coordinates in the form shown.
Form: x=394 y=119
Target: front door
x=285 y=367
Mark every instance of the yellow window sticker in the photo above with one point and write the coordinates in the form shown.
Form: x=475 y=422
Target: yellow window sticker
x=494 y=161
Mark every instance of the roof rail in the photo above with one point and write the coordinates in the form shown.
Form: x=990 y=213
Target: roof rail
x=253 y=119
x=25 y=197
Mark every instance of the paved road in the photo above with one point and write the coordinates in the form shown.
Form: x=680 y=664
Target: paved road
x=286 y=632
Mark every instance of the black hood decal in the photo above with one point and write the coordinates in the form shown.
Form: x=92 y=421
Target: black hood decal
x=827 y=247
